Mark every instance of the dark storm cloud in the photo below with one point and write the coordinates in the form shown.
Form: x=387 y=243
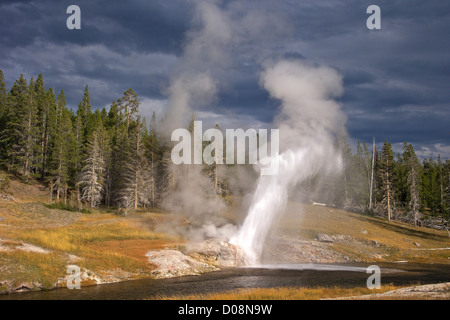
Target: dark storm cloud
x=35 y=40
x=156 y=26
x=396 y=79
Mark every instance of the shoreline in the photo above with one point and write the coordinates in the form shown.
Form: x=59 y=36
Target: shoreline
x=347 y=267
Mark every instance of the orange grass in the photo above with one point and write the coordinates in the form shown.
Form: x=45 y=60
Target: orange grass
x=284 y=293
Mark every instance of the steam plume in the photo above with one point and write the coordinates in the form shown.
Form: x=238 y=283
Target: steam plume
x=308 y=119
x=194 y=84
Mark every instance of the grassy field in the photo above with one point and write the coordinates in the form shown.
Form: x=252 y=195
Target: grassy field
x=39 y=242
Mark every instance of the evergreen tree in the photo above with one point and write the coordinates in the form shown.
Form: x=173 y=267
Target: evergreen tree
x=441 y=179
x=85 y=107
x=43 y=111
x=446 y=182
x=3 y=91
x=402 y=192
x=3 y=116
x=121 y=159
x=112 y=123
x=129 y=104
x=138 y=178
x=430 y=185
x=386 y=171
x=17 y=102
x=48 y=128
x=153 y=154
x=84 y=113
x=63 y=144
x=361 y=176
x=413 y=173
x=78 y=132
x=113 y=120
x=20 y=134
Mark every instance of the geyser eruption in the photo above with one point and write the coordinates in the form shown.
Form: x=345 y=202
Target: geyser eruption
x=308 y=120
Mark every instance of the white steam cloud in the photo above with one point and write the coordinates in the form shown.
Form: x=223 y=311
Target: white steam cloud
x=308 y=120
x=194 y=84
x=206 y=50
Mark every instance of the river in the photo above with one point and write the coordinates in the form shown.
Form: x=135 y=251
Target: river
x=269 y=276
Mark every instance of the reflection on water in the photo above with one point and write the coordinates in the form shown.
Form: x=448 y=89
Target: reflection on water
x=314 y=266
x=265 y=276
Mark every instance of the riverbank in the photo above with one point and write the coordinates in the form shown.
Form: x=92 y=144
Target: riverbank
x=439 y=291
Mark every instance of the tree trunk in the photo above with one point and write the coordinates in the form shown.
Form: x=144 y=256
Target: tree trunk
x=216 y=167
x=80 y=205
x=51 y=192
x=137 y=170
x=388 y=191
x=441 y=185
x=371 y=178
x=153 y=182
x=92 y=187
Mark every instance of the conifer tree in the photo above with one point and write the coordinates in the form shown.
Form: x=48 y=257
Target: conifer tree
x=413 y=173
x=121 y=159
x=84 y=113
x=153 y=154
x=48 y=129
x=138 y=181
x=361 y=176
x=129 y=104
x=20 y=134
x=85 y=107
x=446 y=179
x=3 y=115
x=441 y=179
x=430 y=185
x=386 y=171
x=113 y=119
x=3 y=95
x=63 y=144
x=14 y=115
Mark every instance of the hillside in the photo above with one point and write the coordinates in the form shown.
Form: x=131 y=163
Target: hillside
x=358 y=237
x=37 y=242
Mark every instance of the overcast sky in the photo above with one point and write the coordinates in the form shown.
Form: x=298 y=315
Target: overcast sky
x=396 y=80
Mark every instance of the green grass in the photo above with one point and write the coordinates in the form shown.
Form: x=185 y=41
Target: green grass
x=66 y=207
